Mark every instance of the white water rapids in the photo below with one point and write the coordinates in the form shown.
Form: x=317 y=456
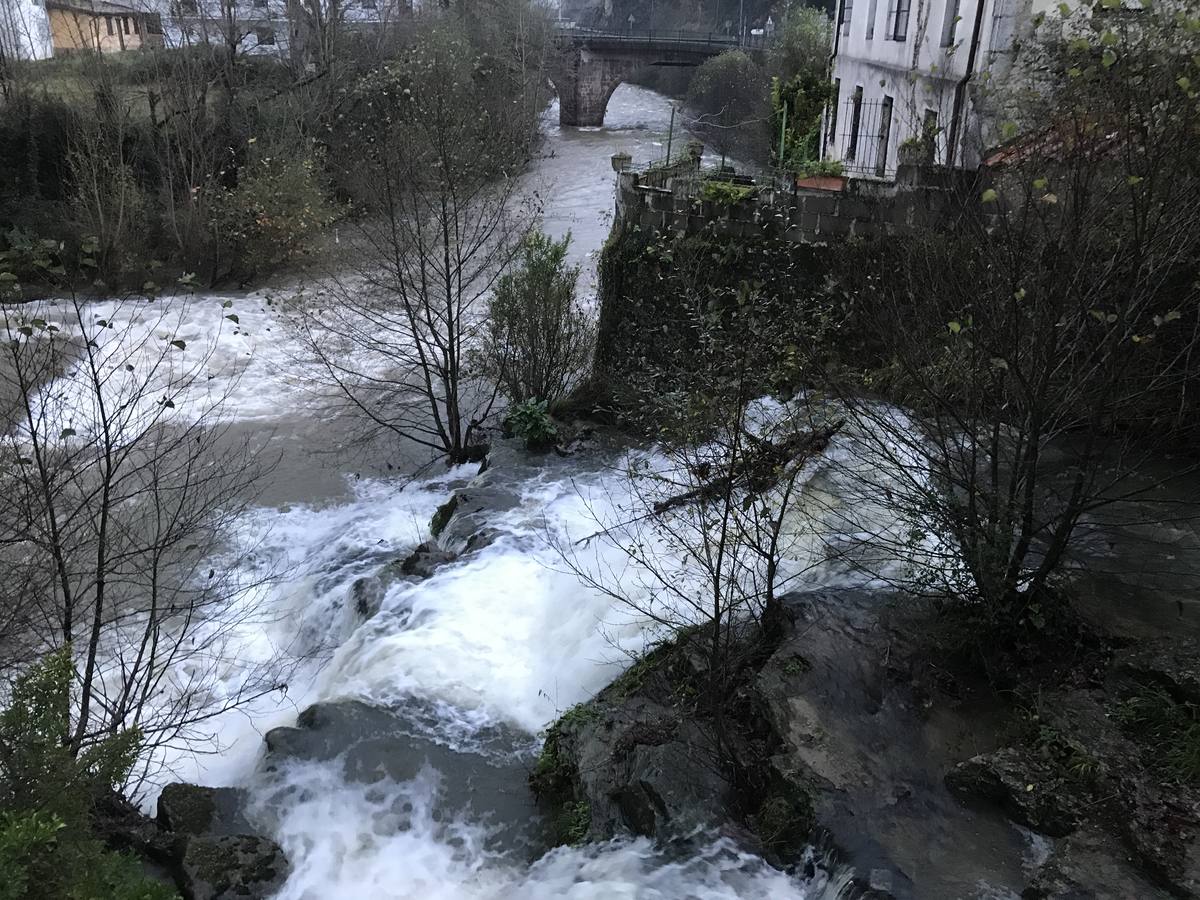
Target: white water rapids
x=499 y=643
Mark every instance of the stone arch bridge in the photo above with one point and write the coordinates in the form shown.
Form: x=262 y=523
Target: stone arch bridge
x=592 y=63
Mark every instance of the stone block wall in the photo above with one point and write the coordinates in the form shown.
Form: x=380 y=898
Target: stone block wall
x=804 y=215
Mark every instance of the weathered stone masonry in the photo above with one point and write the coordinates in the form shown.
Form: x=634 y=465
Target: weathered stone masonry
x=918 y=199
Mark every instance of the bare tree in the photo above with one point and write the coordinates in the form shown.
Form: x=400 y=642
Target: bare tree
x=124 y=488
x=438 y=184
x=710 y=529
x=1046 y=346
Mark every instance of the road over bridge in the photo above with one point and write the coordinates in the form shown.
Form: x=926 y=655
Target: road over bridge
x=592 y=63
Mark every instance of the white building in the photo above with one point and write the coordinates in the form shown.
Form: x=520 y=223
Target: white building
x=272 y=26
x=25 y=30
x=904 y=72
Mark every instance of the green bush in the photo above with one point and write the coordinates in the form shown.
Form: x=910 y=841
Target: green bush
x=728 y=95
x=269 y=217
x=800 y=84
x=539 y=340
x=725 y=193
x=831 y=168
x=47 y=791
x=531 y=422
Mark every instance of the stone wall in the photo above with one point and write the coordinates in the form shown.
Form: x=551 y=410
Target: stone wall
x=918 y=199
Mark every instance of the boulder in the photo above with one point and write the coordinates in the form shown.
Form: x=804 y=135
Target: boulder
x=1031 y=790
x=465 y=522
x=367 y=596
x=1161 y=825
x=425 y=560
x=232 y=867
x=1173 y=664
x=188 y=809
x=1089 y=865
x=642 y=769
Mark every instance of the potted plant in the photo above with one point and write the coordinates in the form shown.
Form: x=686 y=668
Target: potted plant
x=822 y=175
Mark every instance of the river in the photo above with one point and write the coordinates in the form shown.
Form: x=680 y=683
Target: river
x=411 y=784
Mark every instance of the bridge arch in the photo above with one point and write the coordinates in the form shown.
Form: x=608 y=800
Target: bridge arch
x=594 y=63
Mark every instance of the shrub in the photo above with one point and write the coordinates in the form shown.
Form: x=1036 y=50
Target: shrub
x=47 y=849
x=821 y=168
x=267 y=219
x=539 y=341
x=800 y=83
x=531 y=422
x=728 y=95
x=725 y=193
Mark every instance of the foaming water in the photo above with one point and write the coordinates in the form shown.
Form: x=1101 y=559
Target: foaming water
x=387 y=840
x=497 y=643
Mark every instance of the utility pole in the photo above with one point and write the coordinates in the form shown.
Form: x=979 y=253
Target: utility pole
x=782 y=134
x=670 y=133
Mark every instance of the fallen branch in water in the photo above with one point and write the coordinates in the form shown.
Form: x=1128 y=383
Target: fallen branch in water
x=759 y=468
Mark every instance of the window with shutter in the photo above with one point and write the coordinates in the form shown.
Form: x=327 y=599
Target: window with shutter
x=855 y=123
x=885 y=136
x=899 y=29
x=847 y=15
x=871 y=12
x=950 y=25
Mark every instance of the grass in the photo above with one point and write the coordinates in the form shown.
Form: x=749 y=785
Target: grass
x=1167 y=728
x=796 y=665
x=573 y=823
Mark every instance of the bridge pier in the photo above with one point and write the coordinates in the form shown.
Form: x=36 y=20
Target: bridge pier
x=586 y=84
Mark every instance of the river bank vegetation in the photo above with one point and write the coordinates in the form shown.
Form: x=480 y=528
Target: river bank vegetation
x=211 y=160
x=992 y=389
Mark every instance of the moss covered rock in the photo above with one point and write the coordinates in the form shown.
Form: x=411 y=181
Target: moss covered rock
x=232 y=867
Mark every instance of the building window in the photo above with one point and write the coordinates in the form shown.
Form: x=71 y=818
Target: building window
x=125 y=23
x=266 y=36
x=188 y=7
x=950 y=26
x=885 y=135
x=137 y=26
x=847 y=15
x=109 y=23
x=898 y=20
x=855 y=122
x=871 y=10
x=831 y=135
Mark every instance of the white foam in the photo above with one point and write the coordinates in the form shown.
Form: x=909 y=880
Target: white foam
x=385 y=841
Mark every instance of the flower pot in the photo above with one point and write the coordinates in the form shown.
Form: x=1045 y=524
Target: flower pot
x=822 y=182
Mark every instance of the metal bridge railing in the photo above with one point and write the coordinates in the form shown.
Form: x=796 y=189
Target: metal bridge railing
x=661 y=38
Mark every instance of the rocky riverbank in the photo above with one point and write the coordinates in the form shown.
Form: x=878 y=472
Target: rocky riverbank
x=847 y=743
x=848 y=734
x=200 y=841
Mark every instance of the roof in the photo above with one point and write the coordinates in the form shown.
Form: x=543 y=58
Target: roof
x=97 y=7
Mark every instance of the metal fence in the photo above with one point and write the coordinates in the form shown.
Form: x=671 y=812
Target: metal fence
x=865 y=135
x=700 y=40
